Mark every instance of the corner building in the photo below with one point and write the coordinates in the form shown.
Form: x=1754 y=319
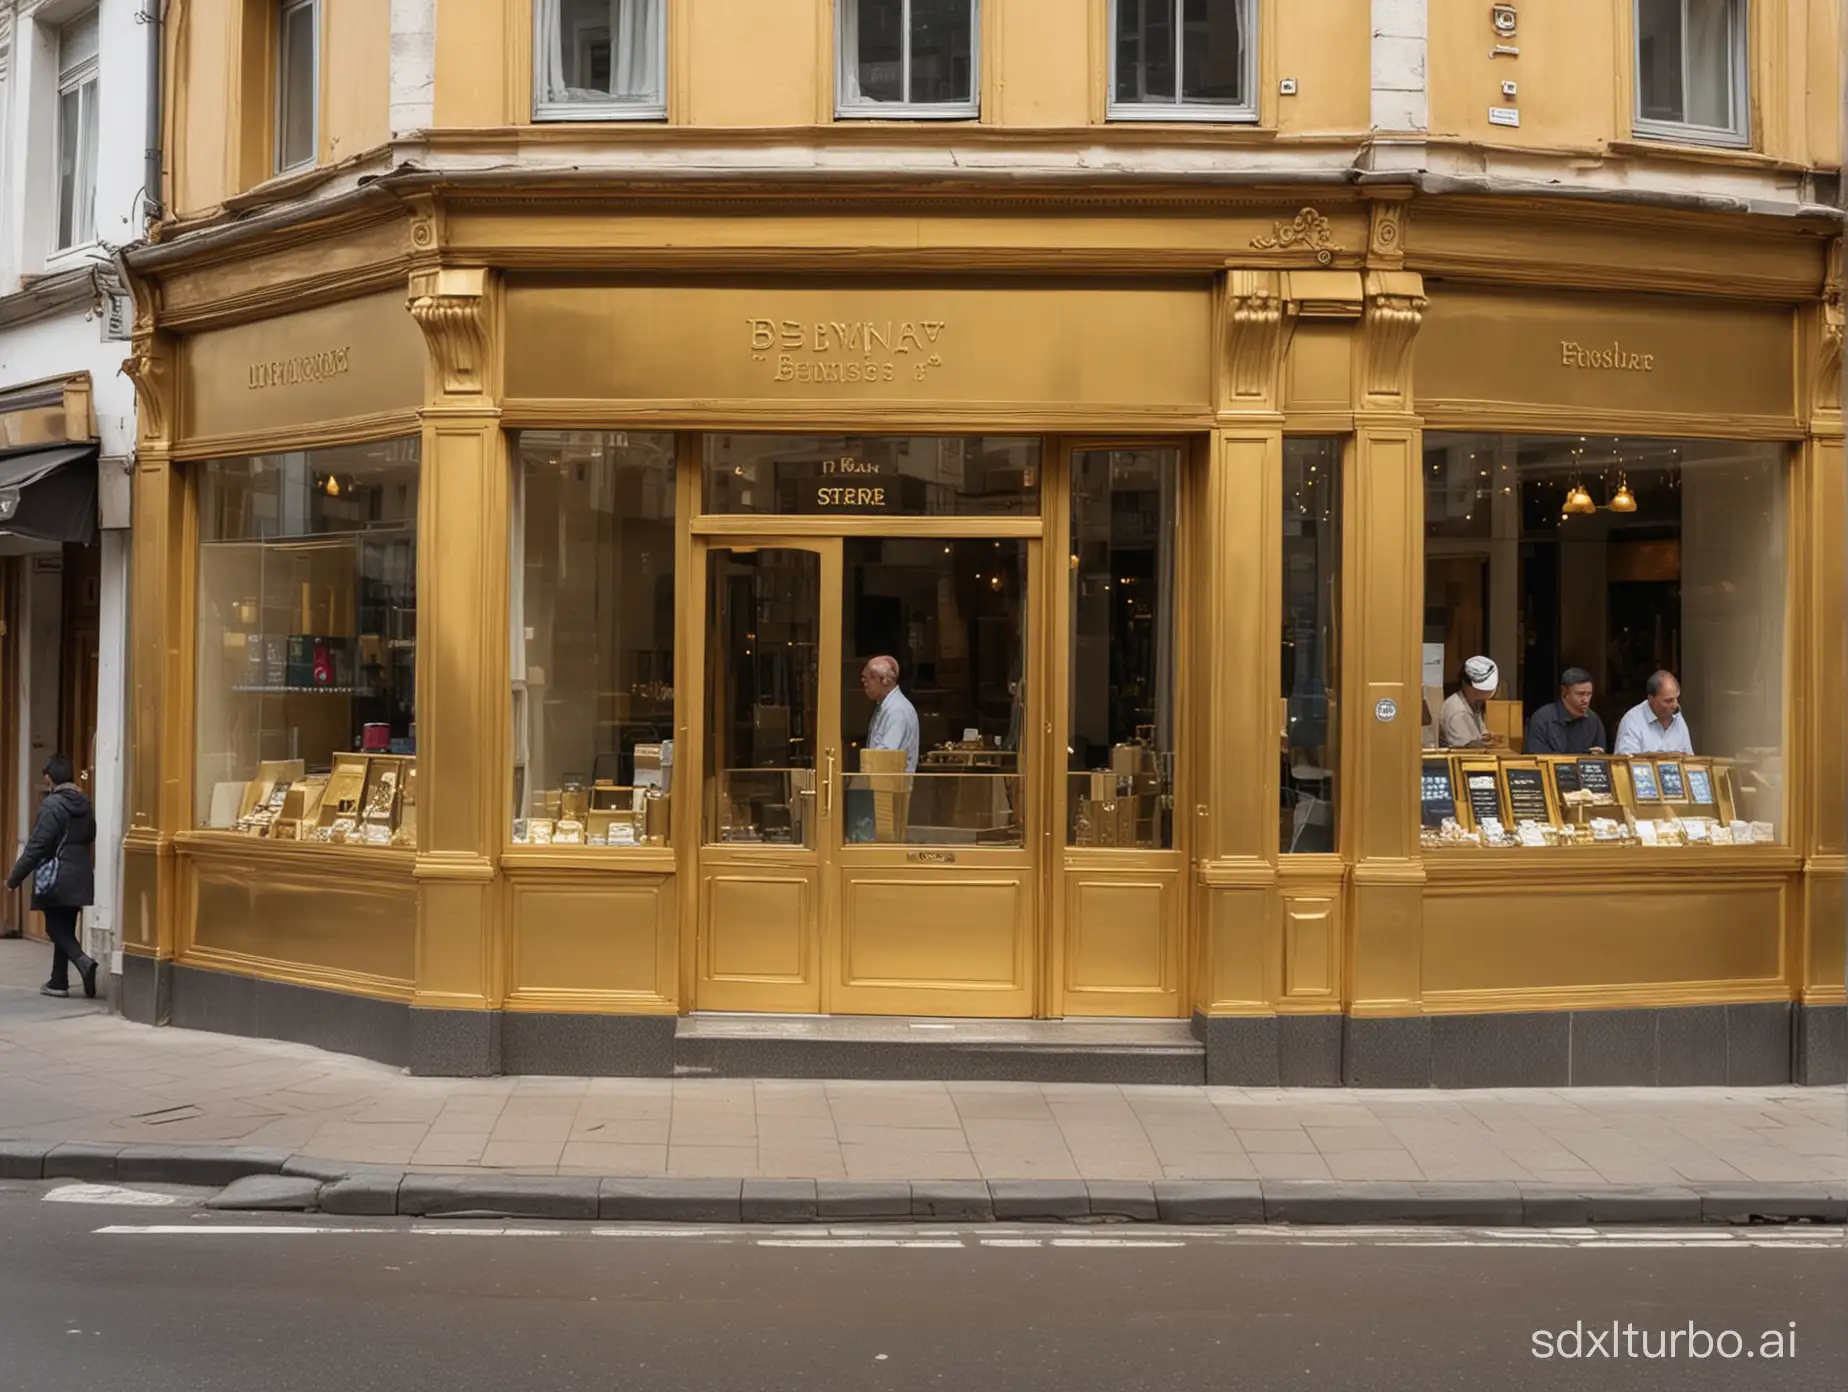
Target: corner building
x=549 y=408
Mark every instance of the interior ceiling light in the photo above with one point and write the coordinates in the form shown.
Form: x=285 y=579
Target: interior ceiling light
x=1579 y=501
x=1623 y=500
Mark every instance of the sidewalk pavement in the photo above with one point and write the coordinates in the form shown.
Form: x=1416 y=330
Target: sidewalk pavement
x=72 y=1072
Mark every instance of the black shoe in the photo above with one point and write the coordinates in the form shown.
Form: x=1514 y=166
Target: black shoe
x=49 y=990
x=89 y=978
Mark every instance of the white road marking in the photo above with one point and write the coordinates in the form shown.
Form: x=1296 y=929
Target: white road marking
x=837 y=1242
x=1112 y=1242
x=109 y=1194
x=1012 y=1242
x=208 y=1230
x=483 y=1232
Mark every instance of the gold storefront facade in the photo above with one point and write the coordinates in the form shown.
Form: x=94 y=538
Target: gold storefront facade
x=501 y=608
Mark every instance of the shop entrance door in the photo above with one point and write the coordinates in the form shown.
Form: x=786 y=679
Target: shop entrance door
x=837 y=875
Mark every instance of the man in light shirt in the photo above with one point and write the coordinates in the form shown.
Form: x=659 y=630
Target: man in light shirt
x=1654 y=724
x=895 y=720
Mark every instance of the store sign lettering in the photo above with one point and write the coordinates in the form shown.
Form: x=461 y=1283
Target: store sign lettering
x=828 y=351
x=293 y=372
x=1615 y=358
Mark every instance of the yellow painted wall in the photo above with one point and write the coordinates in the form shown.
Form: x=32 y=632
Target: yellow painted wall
x=1044 y=48
x=1327 y=47
x=1567 y=73
x=753 y=62
x=201 y=51
x=472 y=70
x=355 y=77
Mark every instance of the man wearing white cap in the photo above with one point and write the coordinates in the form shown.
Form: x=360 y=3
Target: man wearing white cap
x=1461 y=724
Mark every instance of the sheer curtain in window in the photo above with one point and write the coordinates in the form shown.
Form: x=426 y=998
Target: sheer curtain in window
x=574 y=34
x=1708 y=63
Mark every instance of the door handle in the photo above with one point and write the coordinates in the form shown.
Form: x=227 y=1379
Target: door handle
x=827 y=787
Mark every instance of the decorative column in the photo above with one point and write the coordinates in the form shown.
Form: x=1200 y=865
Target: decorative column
x=1388 y=1040
x=159 y=788
x=462 y=589
x=1237 y=969
x=1818 y=754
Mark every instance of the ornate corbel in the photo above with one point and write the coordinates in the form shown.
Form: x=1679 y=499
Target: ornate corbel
x=1395 y=308
x=1828 y=393
x=1259 y=321
x=452 y=308
x=150 y=368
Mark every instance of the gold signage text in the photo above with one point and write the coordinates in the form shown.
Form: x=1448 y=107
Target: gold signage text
x=856 y=350
x=293 y=372
x=850 y=497
x=1615 y=358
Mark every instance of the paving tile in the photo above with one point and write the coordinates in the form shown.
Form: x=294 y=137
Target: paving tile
x=870 y=1162
x=1278 y=1142
x=1373 y=1164
x=712 y=1161
x=510 y=1154
x=612 y=1159
x=1331 y=1139
x=1290 y=1167
x=917 y=1140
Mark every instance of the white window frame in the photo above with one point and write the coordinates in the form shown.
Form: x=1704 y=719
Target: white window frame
x=1177 y=110
x=83 y=74
x=1739 y=134
x=284 y=10
x=650 y=110
x=862 y=109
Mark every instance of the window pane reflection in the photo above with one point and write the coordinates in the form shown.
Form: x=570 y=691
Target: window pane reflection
x=872 y=475
x=1122 y=568
x=1311 y=606
x=593 y=637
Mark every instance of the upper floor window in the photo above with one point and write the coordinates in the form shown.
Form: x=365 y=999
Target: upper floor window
x=1183 y=60
x=600 y=60
x=907 y=58
x=298 y=34
x=77 y=132
x=1691 y=70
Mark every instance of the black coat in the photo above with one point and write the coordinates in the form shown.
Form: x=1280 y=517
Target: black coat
x=64 y=820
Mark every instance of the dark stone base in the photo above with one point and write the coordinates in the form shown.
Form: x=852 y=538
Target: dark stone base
x=1720 y=1045
x=226 y=1003
x=1822 y=1045
x=937 y=1061
x=144 y=992
x=1677 y=1046
x=1271 y=1051
x=598 y=1046
x=455 y=1043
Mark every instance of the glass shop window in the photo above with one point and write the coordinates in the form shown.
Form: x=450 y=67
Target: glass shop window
x=1311 y=647
x=1604 y=640
x=298 y=79
x=872 y=475
x=307 y=645
x=1120 y=762
x=599 y=60
x=907 y=58
x=593 y=638
x=1183 y=60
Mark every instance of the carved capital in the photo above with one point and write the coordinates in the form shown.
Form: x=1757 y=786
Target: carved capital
x=1828 y=393
x=1259 y=322
x=452 y=308
x=1386 y=232
x=1395 y=309
x=150 y=368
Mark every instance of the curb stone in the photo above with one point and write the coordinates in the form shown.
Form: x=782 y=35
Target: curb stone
x=360 y=1190
x=267 y=1193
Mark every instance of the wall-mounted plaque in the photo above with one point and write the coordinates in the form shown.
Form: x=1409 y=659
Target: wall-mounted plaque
x=1479 y=786
x=1437 y=792
x=1643 y=781
x=1594 y=776
x=1700 y=786
x=1668 y=773
x=1527 y=800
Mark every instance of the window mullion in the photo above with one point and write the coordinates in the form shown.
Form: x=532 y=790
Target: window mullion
x=904 y=49
x=1178 y=9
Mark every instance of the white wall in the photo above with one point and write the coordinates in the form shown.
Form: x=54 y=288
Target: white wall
x=28 y=134
x=72 y=340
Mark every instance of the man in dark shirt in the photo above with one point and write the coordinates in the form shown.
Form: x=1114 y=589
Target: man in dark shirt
x=1568 y=725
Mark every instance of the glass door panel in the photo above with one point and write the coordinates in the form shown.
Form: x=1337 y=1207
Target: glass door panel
x=933 y=691
x=762 y=696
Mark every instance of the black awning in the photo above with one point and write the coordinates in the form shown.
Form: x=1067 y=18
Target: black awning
x=50 y=493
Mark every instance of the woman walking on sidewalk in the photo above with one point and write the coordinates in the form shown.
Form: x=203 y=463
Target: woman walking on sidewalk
x=57 y=857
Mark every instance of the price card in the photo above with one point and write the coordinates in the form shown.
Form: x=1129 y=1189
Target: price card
x=1437 y=793
x=1668 y=773
x=1643 y=780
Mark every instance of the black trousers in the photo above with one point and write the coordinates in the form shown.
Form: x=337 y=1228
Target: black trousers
x=61 y=928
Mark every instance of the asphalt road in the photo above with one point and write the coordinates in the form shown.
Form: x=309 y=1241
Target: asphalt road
x=405 y=1306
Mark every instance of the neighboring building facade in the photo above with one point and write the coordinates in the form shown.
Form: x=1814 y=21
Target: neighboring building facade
x=73 y=185
x=551 y=408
